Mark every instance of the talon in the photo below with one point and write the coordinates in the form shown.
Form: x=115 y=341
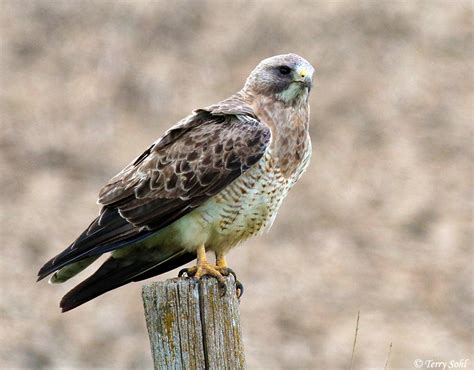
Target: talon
x=226 y=271
x=203 y=268
x=217 y=271
x=189 y=271
x=222 y=288
x=239 y=289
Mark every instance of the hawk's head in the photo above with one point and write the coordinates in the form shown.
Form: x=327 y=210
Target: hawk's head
x=286 y=77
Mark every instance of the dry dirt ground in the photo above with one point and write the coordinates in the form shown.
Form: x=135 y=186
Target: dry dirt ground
x=381 y=222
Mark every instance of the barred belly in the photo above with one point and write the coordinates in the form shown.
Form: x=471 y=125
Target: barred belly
x=246 y=207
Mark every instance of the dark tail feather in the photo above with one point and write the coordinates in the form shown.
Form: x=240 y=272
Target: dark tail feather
x=117 y=272
x=107 y=232
x=171 y=264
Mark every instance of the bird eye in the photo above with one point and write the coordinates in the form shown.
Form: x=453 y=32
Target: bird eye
x=284 y=70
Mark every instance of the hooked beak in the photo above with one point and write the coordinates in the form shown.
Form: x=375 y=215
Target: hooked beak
x=304 y=76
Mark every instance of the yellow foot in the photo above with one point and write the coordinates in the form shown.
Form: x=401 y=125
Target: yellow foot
x=218 y=272
x=206 y=269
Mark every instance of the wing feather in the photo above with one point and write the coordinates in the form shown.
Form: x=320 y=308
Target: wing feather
x=177 y=176
x=193 y=161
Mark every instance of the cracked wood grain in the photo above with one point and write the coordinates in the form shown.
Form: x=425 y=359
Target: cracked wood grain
x=191 y=326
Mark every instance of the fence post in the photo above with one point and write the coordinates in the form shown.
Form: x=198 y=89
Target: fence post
x=191 y=326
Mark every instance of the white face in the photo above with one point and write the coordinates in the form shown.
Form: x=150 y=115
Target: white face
x=292 y=92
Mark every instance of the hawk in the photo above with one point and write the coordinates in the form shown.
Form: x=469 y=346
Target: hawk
x=211 y=181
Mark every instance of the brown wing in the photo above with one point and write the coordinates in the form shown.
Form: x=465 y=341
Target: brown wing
x=193 y=161
x=190 y=164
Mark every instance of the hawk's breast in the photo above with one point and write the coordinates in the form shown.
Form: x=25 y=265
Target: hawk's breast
x=248 y=205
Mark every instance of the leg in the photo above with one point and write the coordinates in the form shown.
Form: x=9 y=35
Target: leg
x=220 y=260
x=204 y=268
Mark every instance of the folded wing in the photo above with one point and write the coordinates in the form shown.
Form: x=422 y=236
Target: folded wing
x=192 y=162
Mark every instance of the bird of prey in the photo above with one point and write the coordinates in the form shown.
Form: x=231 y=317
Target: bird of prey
x=211 y=181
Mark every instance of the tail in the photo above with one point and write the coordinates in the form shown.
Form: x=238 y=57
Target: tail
x=116 y=272
x=106 y=233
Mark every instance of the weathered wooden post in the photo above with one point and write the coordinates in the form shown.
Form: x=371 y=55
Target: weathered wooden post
x=192 y=326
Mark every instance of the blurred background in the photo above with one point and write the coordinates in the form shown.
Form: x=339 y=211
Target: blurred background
x=381 y=222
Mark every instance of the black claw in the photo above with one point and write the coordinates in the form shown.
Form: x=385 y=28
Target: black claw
x=223 y=288
x=188 y=271
x=239 y=289
x=228 y=271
